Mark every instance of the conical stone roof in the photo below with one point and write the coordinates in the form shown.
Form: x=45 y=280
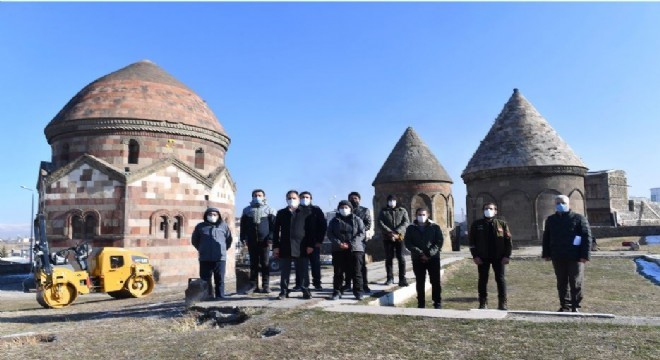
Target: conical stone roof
x=411 y=160
x=521 y=137
x=142 y=91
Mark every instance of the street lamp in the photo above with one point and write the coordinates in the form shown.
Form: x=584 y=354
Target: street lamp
x=31 y=225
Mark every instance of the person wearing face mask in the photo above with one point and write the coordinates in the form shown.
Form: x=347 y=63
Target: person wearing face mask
x=293 y=241
x=257 y=224
x=346 y=233
x=424 y=240
x=567 y=242
x=364 y=214
x=490 y=246
x=393 y=221
x=317 y=225
x=212 y=238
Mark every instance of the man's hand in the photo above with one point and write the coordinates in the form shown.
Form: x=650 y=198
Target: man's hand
x=276 y=253
x=583 y=260
x=310 y=250
x=505 y=260
x=477 y=260
x=424 y=258
x=343 y=245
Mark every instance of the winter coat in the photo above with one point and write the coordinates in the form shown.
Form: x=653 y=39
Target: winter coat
x=292 y=234
x=559 y=237
x=427 y=241
x=316 y=224
x=393 y=220
x=257 y=224
x=364 y=215
x=479 y=238
x=349 y=229
x=212 y=240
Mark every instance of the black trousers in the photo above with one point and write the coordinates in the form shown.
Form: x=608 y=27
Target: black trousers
x=363 y=270
x=302 y=273
x=392 y=248
x=432 y=266
x=484 y=270
x=347 y=262
x=570 y=276
x=217 y=270
x=315 y=266
x=259 y=262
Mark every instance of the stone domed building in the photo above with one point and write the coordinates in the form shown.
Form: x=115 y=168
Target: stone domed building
x=521 y=165
x=137 y=157
x=415 y=176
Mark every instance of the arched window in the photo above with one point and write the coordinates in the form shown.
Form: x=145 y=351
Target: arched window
x=77 y=226
x=90 y=226
x=199 y=158
x=65 y=153
x=133 y=151
x=163 y=227
x=178 y=226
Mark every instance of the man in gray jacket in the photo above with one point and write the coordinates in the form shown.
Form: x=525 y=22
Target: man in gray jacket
x=257 y=224
x=393 y=221
x=567 y=242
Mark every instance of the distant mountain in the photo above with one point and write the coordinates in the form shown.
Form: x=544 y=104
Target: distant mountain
x=11 y=231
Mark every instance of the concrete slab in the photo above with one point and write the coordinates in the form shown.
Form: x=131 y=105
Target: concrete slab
x=561 y=314
x=450 y=314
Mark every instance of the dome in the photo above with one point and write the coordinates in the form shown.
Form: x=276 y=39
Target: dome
x=411 y=160
x=140 y=95
x=521 y=138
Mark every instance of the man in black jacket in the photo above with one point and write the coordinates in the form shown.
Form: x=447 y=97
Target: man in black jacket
x=364 y=215
x=317 y=226
x=346 y=234
x=257 y=224
x=393 y=221
x=567 y=242
x=424 y=240
x=293 y=242
x=490 y=245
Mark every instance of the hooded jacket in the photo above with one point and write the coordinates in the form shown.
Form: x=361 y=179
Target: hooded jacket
x=346 y=229
x=212 y=239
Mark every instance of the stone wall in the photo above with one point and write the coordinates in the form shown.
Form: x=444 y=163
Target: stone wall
x=607 y=231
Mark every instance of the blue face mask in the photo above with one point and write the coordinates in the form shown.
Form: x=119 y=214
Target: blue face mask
x=562 y=208
x=257 y=200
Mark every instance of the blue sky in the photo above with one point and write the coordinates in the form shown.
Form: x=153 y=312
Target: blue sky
x=315 y=95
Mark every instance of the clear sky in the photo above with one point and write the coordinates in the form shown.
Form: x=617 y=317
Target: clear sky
x=315 y=95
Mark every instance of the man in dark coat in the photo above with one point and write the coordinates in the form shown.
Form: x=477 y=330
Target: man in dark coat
x=365 y=215
x=346 y=233
x=316 y=225
x=293 y=242
x=393 y=221
x=424 y=240
x=567 y=242
x=212 y=238
x=257 y=224
x=490 y=245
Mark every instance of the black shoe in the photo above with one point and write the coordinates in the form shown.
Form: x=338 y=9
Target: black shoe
x=282 y=296
x=265 y=290
x=575 y=310
x=256 y=290
x=306 y=295
x=358 y=296
x=564 y=309
x=366 y=289
x=335 y=295
x=318 y=287
x=296 y=288
x=347 y=287
x=389 y=281
x=437 y=305
x=403 y=283
x=421 y=306
x=483 y=303
x=502 y=305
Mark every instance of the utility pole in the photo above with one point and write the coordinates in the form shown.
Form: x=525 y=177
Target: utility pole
x=31 y=223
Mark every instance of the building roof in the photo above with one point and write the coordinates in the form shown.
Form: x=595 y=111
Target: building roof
x=411 y=160
x=521 y=137
x=142 y=91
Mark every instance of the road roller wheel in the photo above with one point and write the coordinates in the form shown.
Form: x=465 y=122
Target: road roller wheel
x=140 y=286
x=57 y=296
x=120 y=294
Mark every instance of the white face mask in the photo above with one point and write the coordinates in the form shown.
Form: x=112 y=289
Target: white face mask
x=305 y=201
x=421 y=218
x=212 y=218
x=489 y=213
x=344 y=211
x=391 y=203
x=293 y=202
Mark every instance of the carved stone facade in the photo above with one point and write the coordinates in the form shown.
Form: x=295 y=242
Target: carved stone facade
x=137 y=157
x=417 y=179
x=521 y=165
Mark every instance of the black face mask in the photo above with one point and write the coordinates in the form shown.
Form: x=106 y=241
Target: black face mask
x=354 y=203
